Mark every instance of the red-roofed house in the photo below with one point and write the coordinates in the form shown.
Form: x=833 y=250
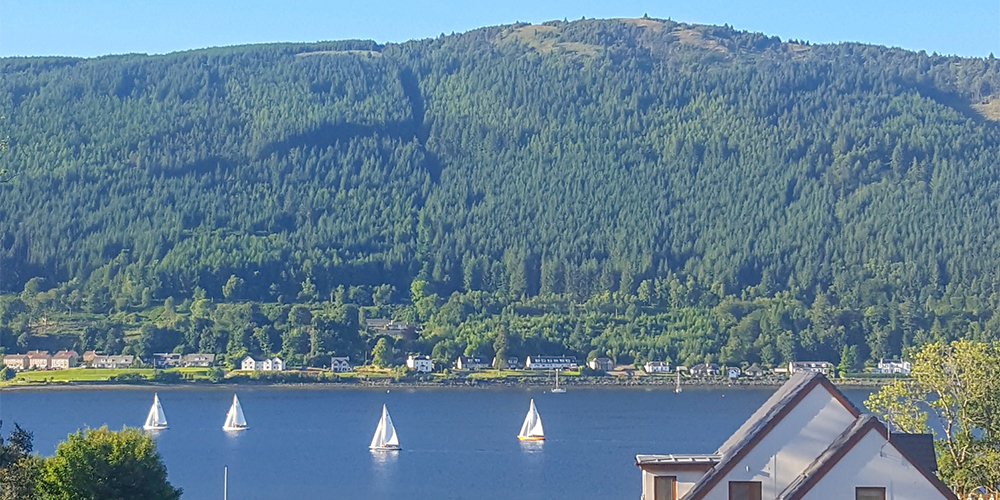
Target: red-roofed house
x=65 y=359
x=39 y=360
x=16 y=362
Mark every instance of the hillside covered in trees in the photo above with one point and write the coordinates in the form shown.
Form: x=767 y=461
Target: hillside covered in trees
x=639 y=188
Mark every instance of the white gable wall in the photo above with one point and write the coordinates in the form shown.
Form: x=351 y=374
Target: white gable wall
x=873 y=462
x=802 y=435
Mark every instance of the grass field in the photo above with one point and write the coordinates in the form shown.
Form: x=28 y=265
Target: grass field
x=98 y=375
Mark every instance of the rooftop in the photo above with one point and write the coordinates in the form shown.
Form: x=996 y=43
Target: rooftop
x=677 y=459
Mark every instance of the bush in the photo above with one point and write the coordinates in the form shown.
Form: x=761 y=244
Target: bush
x=98 y=463
x=216 y=375
x=163 y=377
x=128 y=378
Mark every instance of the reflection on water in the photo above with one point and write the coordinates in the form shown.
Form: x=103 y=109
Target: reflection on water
x=383 y=459
x=383 y=474
x=532 y=446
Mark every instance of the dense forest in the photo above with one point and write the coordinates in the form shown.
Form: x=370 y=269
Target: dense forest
x=639 y=188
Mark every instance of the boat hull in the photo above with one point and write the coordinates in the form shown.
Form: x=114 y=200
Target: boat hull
x=384 y=448
x=234 y=429
x=558 y=391
x=530 y=438
x=153 y=427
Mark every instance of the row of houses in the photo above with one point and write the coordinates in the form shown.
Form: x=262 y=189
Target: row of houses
x=826 y=368
x=173 y=360
x=423 y=363
x=254 y=364
x=42 y=360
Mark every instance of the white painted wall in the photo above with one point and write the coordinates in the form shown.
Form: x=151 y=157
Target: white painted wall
x=248 y=363
x=873 y=462
x=686 y=480
x=777 y=460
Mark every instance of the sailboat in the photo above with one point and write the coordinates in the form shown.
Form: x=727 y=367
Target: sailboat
x=235 y=421
x=385 y=438
x=557 y=389
x=531 y=429
x=156 y=420
x=677 y=389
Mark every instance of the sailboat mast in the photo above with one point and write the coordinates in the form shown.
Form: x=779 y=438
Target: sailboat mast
x=225 y=482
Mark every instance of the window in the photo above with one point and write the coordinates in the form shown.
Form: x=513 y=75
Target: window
x=869 y=493
x=664 y=488
x=744 y=490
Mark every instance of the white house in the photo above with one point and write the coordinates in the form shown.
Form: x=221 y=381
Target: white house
x=340 y=364
x=272 y=365
x=806 y=442
x=122 y=361
x=253 y=364
x=472 y=363
x=249 y=363
x=420 y=363
x=893 y=366
x=705 y=370
x=823 y=367
x=656 y=367
x=166 y=359
x=601 y=364
x=550 y=363
x=198 y=359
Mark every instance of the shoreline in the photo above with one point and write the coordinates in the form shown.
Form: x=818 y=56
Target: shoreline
x=659 y=383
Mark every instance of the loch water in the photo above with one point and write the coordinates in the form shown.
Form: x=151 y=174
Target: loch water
x=457 y=443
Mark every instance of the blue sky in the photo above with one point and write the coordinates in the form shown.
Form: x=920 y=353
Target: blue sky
x=99 y=27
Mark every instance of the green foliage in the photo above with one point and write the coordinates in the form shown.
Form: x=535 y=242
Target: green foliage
x=102 y=464
x=500 y=349
x=19 y=469
x=959 y=385
x=646 y=191
x=382 y=354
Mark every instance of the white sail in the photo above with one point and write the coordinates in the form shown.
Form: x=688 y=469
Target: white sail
x=235 y=421
x=531 y=429
x=385 y=437
x=156 y=419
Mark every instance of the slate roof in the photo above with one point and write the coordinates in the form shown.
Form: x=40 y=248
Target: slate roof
x=920 y=447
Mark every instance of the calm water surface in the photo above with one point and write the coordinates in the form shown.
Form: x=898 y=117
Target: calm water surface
x=457 y=443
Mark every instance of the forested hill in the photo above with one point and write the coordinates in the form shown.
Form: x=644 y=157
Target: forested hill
x=695 y=174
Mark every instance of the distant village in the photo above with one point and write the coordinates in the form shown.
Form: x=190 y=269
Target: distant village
x=420 y=363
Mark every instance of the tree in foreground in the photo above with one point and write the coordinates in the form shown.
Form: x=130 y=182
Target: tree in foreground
x=19 y=469
x=99 y=464
x=959 y=385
